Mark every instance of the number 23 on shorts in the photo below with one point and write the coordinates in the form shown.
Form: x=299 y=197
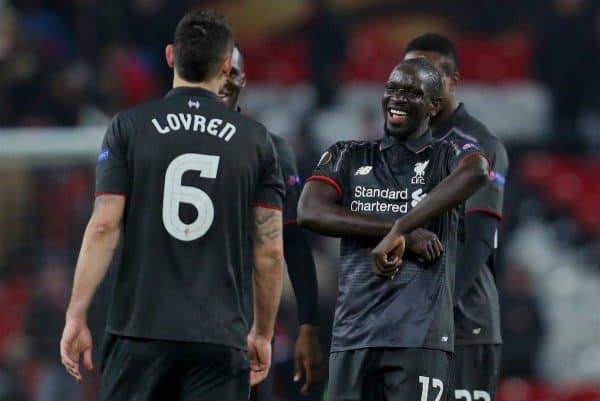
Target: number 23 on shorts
x=478 y=395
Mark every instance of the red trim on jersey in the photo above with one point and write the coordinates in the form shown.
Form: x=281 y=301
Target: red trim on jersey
x=110 y=193
x=328 y=180
x=485 y=210
x=267 y=206
x=477 y=154
x=290 y=222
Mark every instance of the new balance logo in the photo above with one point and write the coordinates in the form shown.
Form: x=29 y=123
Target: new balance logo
x=364 y=170
x=192 y=103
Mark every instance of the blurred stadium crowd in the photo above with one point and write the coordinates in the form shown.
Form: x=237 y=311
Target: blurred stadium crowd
x=316 y=72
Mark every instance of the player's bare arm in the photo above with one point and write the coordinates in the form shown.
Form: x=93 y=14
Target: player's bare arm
x=467 y=178
x=267 y=236
x=98 y=246
x=320 y=210
x=308 y=357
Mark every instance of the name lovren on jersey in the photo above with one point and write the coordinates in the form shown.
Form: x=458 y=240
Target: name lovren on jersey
x=195 y=123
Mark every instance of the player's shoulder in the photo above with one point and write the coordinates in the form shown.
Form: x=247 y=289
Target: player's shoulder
x=139 y=111
x=475 y=130
x=351 y=146
x=472 y=130
x=154 y=107
x=281 y=145
x=284 y=151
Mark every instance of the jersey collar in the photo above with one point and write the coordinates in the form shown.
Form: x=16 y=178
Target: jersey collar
x=416 y=145
x=189 y=91
x=454 y=120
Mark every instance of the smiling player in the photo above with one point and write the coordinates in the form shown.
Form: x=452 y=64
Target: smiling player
x=393 y=330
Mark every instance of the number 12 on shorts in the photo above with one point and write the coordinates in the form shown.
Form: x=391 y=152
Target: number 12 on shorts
x=436 y=384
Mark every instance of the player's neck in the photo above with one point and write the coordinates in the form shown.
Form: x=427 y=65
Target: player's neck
x=445 y=113
x=213 y=85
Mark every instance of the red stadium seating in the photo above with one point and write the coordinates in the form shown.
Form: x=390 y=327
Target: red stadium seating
x=570 y=183
x=371 y=55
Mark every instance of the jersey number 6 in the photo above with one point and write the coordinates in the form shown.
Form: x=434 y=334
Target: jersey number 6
x=176 y=193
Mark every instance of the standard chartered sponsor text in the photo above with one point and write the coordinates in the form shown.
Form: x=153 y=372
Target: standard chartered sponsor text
x=399 y=198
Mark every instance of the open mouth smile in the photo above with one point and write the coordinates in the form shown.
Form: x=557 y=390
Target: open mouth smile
x=396 y=116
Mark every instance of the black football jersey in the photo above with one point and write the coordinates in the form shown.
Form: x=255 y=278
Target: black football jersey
x=191 y=170
x=477 y=315
x=388 y=179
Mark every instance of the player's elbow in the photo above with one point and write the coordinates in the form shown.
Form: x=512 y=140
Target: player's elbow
x=307 y=219
x=478 y=170
x=99 y=226
x=308 y=214
x=304 y=218
x=269 y=255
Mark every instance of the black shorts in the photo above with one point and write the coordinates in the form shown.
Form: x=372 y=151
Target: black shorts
x=475 y=372
x=389 y=374
x=158 y=370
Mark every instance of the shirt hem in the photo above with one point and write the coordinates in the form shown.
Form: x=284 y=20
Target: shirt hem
x=477 y=342
x=328 y=180
x=176 y=339
x=383 y=345
x=267 y=206
x=468 y=156
x=99 y=193
x=485 y=210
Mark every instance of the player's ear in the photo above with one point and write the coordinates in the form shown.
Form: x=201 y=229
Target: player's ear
x=435 y=106
x=170 y=55
x=228 y=64
x=454 y=81
x=243 y=79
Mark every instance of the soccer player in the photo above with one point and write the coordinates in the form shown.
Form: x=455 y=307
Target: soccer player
x=299 y=259
x=476 y=314
x=393 y=331
x=185 y=176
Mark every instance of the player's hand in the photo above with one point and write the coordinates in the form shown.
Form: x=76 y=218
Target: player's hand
x=76 y=342
x=259 y=352
x=388 y=254
x=308 y=357
x=425 y=244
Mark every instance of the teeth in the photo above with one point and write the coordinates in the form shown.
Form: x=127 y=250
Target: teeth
x=396 y=112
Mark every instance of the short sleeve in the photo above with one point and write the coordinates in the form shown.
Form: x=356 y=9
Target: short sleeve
x=291 y=179
x=461 y=150
x=332 y=166
x=112 y=170
x=490 y=198
x=269 y=190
